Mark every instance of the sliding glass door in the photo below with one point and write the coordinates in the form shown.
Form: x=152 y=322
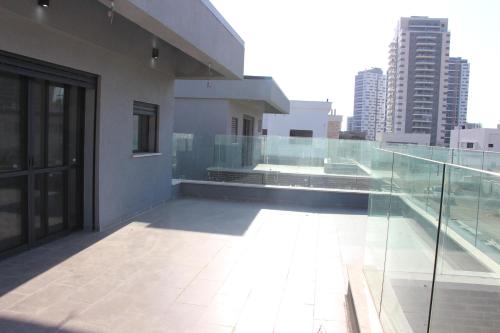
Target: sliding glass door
x=13 y=161
x=41 y=138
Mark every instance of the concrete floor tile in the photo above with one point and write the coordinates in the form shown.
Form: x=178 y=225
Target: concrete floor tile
x=330 y=326
x=43 y=298
x=191 y=265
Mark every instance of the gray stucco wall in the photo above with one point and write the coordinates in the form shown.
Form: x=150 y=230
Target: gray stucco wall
x=210 y=117
x=203 y=117
x=194 y=27
x=240 y=110
x=127 y=185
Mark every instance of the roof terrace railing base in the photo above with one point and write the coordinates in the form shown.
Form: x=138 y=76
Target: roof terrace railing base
x=300 y=196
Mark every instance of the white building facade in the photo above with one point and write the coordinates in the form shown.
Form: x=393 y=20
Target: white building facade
x=306 y=119
x=369 y=103
x=485 y=139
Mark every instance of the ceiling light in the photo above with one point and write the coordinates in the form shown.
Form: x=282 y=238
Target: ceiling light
x=155 y=53
x=44 y=3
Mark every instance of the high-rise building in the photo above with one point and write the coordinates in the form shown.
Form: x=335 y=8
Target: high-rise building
x=369 y=103
x=334 y=126
x=458 y=95
x=417 y=78
x=350 y=123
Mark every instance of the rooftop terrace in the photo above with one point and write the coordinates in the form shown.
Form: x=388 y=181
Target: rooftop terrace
x=191 y=265
x=274 y=235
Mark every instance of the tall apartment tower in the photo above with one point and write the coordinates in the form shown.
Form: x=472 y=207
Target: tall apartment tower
x=417 y=78
x=369 y=103
x=458 y=94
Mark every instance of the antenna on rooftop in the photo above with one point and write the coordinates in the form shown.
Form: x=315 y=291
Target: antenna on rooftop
x=111 y=12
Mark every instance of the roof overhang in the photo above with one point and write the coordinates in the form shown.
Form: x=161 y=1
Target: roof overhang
x=255 y=89
x=194 y=27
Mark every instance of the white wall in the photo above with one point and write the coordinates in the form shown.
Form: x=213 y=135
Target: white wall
x=480 y=138
x=304 y=115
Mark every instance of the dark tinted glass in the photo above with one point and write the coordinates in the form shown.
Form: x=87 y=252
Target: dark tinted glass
x=12 y=229
x=55 y=202
x=55 y=124
x=12 y=123
x=39 y=211
x=37 y=97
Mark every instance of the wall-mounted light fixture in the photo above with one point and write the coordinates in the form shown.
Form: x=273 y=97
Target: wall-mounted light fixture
x=44 y=3
x=156 y=53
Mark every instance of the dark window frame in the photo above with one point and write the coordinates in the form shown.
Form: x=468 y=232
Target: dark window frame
x=148 y=127
x=234 y=129
x=298 y=133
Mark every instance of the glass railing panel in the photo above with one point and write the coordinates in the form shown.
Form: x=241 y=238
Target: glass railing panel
x=419 y=151
x=411 y=245
x=461 y=207
x=349 y=157
x=491 y=162
x=466 y=295
x=192 y=155
x=441 y=154
x=231 y=152
x=433 y=189
x=295 y=151
x=376 y=228
x=468 y=158
x=488 y=228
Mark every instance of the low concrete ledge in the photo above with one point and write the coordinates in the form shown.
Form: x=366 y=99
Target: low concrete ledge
x=362 y=309
x=313 y=197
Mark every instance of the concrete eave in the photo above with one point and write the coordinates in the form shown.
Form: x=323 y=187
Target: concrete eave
x=194 y=27
x=250 y=89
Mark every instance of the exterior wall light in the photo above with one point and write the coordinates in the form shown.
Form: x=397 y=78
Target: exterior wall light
x=44 y=3
x=156 y=53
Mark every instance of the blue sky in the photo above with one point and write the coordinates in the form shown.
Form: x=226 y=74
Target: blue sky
x=314 y=48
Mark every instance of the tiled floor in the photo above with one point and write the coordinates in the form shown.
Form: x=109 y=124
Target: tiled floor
x=191 y=265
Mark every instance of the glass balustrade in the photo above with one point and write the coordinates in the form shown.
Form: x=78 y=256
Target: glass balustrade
x=433 y=230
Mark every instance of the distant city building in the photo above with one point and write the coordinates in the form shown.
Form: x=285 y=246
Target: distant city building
x=350 y=135
x=471 y=125
x=350 y=123
x=405 y=138
x=334 y=125
x=306 y=119
x=369 y=103
x=487 y=139
x=458 y=95
x=417 y=78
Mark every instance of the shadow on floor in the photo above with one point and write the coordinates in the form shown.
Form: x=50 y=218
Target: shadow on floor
x=10 y=325
x=17 y=269
x=225 y=217
x=185 y=214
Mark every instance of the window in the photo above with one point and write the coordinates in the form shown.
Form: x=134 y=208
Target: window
x=301 y=133
x=234 y=128
x=490 y=145
x=145 y=128
x=264 y=131
x=470 y=145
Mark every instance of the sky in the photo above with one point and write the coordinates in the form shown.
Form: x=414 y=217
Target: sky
x=314 y=48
